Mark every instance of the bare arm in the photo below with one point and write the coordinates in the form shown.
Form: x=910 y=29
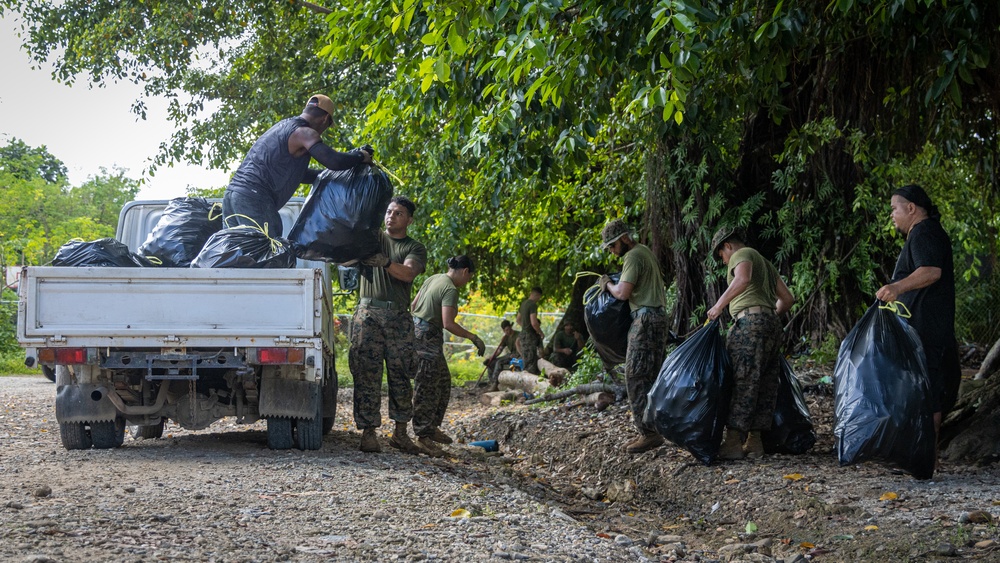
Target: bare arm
x=920 y=278
x=741 y=279
x=448 y=316
x=785 y=298
x=621 y=290
x=407 y=271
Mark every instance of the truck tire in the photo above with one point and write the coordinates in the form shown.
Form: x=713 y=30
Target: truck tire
x=49 y=373
x=309 y=431
x=109 y=434
x=75 y=435
x=146 y=431
x=279 y=433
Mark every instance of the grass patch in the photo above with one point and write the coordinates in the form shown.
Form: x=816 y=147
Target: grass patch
x=12 y=363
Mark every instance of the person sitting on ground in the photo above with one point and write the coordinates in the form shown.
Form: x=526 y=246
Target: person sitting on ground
x=756 y=296
x=434 y=309
x=502 y=361
x=566 y=346
x=531 y=337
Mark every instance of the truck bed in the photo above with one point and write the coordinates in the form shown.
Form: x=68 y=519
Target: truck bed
x=154 y=307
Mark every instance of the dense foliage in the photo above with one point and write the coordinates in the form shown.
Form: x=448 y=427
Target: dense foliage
x=521 y=126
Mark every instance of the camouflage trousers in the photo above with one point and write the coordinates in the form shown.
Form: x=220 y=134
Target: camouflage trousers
x=499 y=364
x=432 y=383
x=754 y=346
x=647 y=342
x=529 y=343
x=381 y=336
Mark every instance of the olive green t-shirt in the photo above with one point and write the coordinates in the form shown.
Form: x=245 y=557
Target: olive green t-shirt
x=528 y=308
x=510 y=342
x=641 y=270
x=563 y=340
x=438 y=291
x=763 y=288
x=384 y=287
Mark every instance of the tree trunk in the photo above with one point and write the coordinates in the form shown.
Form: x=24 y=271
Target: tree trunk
x=991 y=363
x=971 y=432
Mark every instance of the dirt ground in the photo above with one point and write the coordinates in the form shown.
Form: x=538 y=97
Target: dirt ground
x=788 y=507
x=560 y=489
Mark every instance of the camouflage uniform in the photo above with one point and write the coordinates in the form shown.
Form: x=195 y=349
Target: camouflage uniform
x=647 y=341
x=754 y=346
x=382 y=333
x=529 y=341
x=432 y=383
x=377 y=336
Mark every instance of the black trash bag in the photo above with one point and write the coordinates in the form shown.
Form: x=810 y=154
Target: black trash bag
x=791 y=427
x=340 y=220
x=101 y=252
x=182 y=231
x=881 y=396
x=244 y=247
x=608 y=320
x=689 y=402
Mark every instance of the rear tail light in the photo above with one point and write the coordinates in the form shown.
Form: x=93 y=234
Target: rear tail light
x=62 y=356
x=272 y=356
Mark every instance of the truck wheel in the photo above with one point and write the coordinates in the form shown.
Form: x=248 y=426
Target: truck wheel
x=49 y=373
x=309 y=432
x=75 y=435
x=279 y=433
x=109 y=434
x=146 y=431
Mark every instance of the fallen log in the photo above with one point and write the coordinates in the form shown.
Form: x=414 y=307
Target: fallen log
x=522 y=380
x=585 y=389
x=601 y=400
x=496 y=398
x=555 y=374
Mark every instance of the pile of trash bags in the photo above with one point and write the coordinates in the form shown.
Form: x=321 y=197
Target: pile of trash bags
x=881 y=395
x=339 y=222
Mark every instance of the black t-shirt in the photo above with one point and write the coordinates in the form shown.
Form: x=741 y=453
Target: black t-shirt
x=932 y=307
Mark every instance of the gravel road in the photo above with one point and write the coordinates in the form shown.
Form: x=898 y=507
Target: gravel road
x=221 y=495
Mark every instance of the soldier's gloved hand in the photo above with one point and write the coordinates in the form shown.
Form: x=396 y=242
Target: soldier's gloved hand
x=603 y=282
x=480 y=345
x=376 y=261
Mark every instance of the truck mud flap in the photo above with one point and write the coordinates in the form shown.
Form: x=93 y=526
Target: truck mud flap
x=289 y=398
x=84 y=403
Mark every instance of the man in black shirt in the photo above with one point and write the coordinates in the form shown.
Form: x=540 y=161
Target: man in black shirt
x=924 y=280
x=278 y=162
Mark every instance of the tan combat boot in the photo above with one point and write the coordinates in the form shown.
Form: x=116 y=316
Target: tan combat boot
x=401 y=440
x=753 y=447
x=644 y=444
x=440 y=437
x=369 y=441
x=430 y=447
x=732 y=445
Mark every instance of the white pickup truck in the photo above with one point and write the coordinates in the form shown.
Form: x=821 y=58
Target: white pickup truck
x=137 y=346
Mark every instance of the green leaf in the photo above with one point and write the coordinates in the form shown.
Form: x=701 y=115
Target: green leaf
x=751 y=527
x=683 y=24
x=442 y=70
x=456 y=42
x=425 y=84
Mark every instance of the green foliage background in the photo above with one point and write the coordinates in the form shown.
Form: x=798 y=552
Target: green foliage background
x=521 y=126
